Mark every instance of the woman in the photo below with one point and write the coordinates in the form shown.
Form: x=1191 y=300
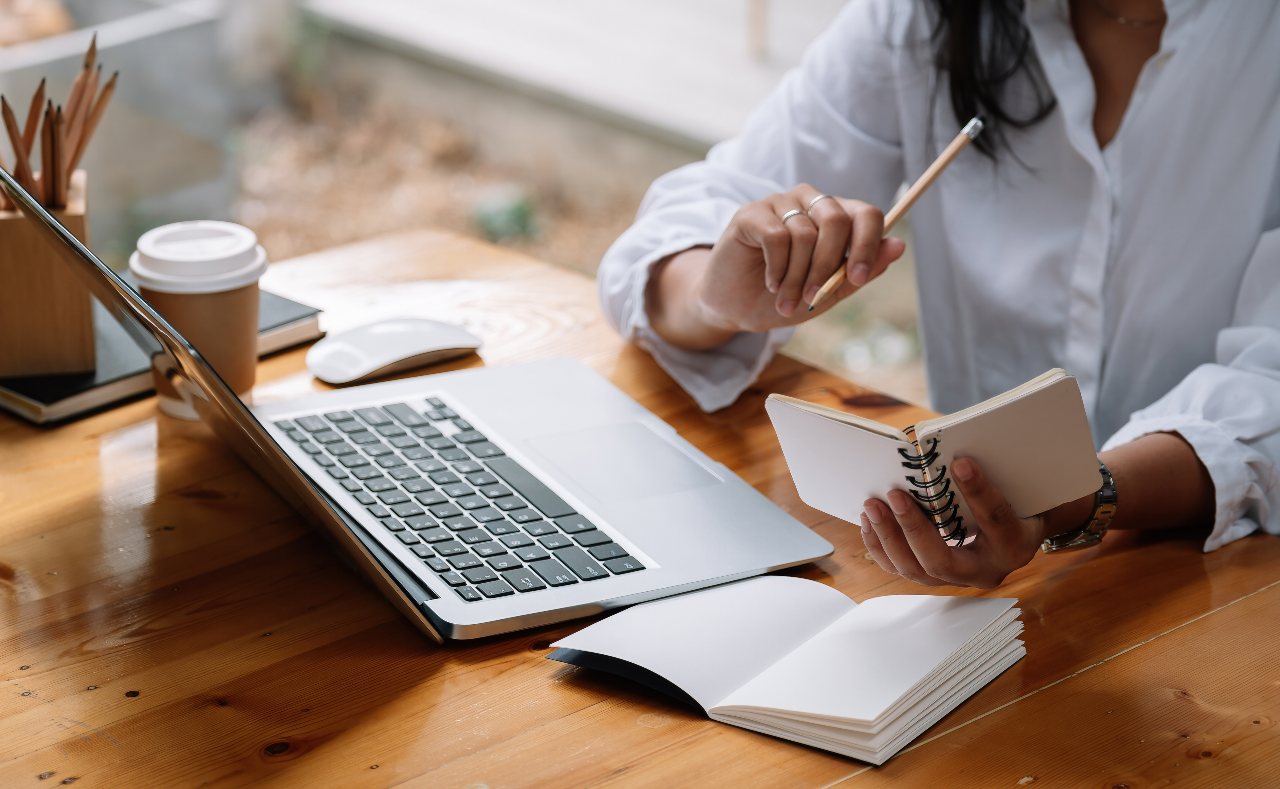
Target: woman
x=1121 y=219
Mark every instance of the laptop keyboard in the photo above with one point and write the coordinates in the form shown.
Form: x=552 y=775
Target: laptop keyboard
x=479 y=520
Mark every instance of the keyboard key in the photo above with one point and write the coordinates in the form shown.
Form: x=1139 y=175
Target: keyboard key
x=486 y=514
x=363 y=437
x=553 y=572
x=391 y=431
x=462 y=424
x=539 y=528
x=404 y=414
x=609 y=550
x=457 y=490
x=423 y=552
x=309 y=448
x=485 y=550
x=555 y=541
x=499 y=528
x=373 y=416
x=439 y=443
x=472 y=467
x=403 y=442
x=376 y=450
x=435 y=402
x=364 y=497
x=338 y=450
x=352 y=485
x=474 y=536
x=623 y=564
x=407 y=510
x=469 y=437
x=407 y=537
x=436 y=414
x=529 y=486
x=448 y=413
x=431 y=498
x=392 y=497
x=459 y=523
x=390 y=461
x=339 y=416
x=525 y=516
x=379 y=485
x=589 y=538
x=365 y=473
x=417 y=453
x=516 y=540
x=443 y=477
x=285 y=425
x=531 y=554
x=479 y=479
x=582 y=565
x=471 y=503
x=326 y=437
x=504 y=561
x=323 y=461
x=296 y=436
x=311 y=424
x=479 y=575
x=523 y=580
x=468 y=594
x=350 y=427
x=453 y=579
x=420 y=522
x=353 y=461
x=404 y=475
x=414 y=485
x=434 y=535
x=496 y=491
x=450 y=548
x=430 y=466
x=509 y=504
x=452 y=455
x=442 y=511
x=464 y=562
x=427 y=431
x=391 y=524
x=496 y=588
x=337 y=473
x=484 y=450
x=572 y=524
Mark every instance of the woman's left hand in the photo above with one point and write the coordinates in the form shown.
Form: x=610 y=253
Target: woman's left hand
x=904 y=541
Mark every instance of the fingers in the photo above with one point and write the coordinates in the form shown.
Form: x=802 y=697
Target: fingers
x=759 y=225
x=864 y=242
x=890 y=526
x=988 y=505
x=834 y=226
x=874 y=548
x=804 y=237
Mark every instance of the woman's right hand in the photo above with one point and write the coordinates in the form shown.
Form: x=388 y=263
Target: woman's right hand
x=763 y=273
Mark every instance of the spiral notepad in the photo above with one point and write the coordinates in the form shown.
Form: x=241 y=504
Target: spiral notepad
x=1033 y=442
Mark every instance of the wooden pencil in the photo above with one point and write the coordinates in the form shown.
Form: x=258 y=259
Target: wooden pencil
x=91 y=124
x=22 y=165
x=970 y=131
x=59 y=156
x=48 y=171
x=33 y=116
x=76 y=122
x=79 y=87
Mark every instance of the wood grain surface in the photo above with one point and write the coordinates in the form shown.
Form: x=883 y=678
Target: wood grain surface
x=168 y=621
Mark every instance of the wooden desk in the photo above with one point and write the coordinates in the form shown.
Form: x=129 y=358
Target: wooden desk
x=168 y=621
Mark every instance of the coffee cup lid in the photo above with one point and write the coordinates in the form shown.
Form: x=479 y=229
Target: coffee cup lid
x=202 y=256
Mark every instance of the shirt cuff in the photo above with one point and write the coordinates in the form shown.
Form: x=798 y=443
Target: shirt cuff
x=714 y=378
x=1222 y=457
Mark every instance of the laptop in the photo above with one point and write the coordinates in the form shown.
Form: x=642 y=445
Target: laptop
x=480 y=501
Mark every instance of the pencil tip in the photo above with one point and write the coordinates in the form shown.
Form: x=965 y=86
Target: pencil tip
x=810 y=308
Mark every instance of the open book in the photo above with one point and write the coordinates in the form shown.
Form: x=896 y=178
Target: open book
x=1033 y=442
x=798 y=660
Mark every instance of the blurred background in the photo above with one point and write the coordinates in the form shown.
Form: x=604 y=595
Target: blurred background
x=536 y=125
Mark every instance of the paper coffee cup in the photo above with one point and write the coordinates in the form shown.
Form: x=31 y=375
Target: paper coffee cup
x=202 y=277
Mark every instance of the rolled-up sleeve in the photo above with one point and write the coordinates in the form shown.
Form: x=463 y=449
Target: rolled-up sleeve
x=1229 y=411
x=832 y=122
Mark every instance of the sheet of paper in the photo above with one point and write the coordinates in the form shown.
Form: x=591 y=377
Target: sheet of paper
x=862 y=664
x=712 y=641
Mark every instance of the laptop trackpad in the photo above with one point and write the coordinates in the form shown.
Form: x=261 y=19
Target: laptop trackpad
x=621 y=462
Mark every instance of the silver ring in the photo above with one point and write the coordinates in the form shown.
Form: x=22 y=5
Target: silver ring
x=791 y=213
x=815 y=201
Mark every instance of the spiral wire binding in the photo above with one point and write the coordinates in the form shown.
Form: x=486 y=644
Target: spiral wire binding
x=940 y=505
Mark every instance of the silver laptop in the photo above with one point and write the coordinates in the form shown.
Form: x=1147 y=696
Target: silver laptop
x=481 y=501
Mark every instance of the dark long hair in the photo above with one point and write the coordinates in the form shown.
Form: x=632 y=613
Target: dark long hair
x=983 y=47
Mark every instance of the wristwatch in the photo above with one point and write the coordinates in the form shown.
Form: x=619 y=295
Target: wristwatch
x=1104 y=509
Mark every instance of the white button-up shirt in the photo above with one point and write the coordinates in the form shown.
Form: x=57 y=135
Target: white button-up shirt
x=1149 y=269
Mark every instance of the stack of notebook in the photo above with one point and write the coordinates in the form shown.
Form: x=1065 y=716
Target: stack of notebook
x=798 y=660
x=123 y=369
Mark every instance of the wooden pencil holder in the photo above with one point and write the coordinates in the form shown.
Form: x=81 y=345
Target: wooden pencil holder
x=46 y=313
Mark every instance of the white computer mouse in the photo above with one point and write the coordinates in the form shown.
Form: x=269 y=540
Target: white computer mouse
x=386 y=347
